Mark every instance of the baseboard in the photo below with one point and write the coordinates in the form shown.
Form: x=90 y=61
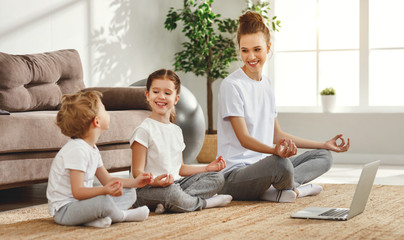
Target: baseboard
x=359 y=158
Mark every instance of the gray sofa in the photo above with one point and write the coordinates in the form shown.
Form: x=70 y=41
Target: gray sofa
x=31 y=87
x=30 y=90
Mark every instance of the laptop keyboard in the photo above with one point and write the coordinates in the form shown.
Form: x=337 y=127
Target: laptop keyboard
x=336 y=212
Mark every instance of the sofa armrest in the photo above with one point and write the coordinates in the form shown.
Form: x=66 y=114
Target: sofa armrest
x=122 y=98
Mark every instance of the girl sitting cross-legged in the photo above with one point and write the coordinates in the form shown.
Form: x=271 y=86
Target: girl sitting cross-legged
x=157 y=146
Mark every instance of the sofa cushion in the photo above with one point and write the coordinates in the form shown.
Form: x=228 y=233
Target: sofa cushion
x=33 y=167
x=37 y=81
x=37 y=130
x=122 y=98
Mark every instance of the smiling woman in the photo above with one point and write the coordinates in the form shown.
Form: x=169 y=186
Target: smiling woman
x=254 y=50
x=248 y=129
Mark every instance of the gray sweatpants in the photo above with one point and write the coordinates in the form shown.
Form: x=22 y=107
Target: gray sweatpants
x=84 y=211
x=250 y=182
x=185 y=195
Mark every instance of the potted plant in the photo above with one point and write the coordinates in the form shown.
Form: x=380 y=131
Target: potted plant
x=209 y=49
x=328 y=99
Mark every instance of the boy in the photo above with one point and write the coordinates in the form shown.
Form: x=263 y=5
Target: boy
x=72 y=199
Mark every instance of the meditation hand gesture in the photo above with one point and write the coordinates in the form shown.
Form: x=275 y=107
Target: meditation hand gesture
x=163 y=180
x=114 y=188
x=216 y=165
x=143 y=179
x=285 y=149
x=333 y=146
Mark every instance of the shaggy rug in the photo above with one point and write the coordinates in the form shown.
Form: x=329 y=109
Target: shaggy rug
x=382 y=219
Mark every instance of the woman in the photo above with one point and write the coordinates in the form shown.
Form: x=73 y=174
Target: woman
x=248 y=127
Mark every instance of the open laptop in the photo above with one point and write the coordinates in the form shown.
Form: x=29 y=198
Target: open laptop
x=358 y=203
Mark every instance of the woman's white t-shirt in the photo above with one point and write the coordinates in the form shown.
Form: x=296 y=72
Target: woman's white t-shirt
x=164 y=143
x=241 y=96
x=76 y=154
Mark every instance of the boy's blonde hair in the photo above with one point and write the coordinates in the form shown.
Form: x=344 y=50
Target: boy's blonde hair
x=77 y=111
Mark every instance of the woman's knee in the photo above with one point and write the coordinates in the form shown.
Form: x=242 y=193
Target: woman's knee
x=284 y=166
x=281 y=172
x=327 y=158
x=275 y=166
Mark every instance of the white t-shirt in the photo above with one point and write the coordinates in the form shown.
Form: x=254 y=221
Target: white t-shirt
x=164 y=143
x=76 y=154
x=241 y=96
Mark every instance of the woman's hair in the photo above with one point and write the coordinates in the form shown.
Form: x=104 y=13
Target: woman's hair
x=169 y=75
x=250 y=23
x=77 y=111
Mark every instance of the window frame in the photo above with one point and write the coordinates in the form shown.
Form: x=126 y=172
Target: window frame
x=364 y=55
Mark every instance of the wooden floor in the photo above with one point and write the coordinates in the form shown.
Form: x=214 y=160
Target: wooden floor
x=21 y=197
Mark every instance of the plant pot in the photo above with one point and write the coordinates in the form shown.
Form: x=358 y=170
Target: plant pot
x=328 y=103
x=209 y=149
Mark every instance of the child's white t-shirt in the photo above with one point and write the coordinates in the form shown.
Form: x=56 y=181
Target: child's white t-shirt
x=76 y=154
x=241 y=96
x=164 y=143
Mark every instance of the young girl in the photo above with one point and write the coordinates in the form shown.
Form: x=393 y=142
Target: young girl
x=72 y=198
x=157 y=146
x=248 y=127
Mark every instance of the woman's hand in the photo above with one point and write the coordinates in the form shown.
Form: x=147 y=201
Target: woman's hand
x=216 y=165
x=114 y=188
x=285 y=148
x=143 y=179
x=333 y=146
x=163 y=180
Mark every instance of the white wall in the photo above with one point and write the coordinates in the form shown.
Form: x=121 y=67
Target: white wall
x=374 y=136
x=45 y=25
x=119 y=41
x=124 y=40
x=132 y=44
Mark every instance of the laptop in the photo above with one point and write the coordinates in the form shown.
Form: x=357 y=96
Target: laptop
x=358 y=203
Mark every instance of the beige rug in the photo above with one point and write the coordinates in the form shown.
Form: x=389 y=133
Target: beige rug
x=382 y=219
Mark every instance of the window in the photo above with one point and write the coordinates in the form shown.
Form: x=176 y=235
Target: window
x=386 y=54
x=354 y=46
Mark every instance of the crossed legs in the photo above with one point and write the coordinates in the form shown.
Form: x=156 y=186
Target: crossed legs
x=254 y=182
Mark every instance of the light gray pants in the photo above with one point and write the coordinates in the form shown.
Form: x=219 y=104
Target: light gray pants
x=84 y=211
x=185 y=195
x=250 y=182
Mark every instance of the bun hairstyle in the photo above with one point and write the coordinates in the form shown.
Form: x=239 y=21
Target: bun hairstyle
x=250 y=23
x=169 y=75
